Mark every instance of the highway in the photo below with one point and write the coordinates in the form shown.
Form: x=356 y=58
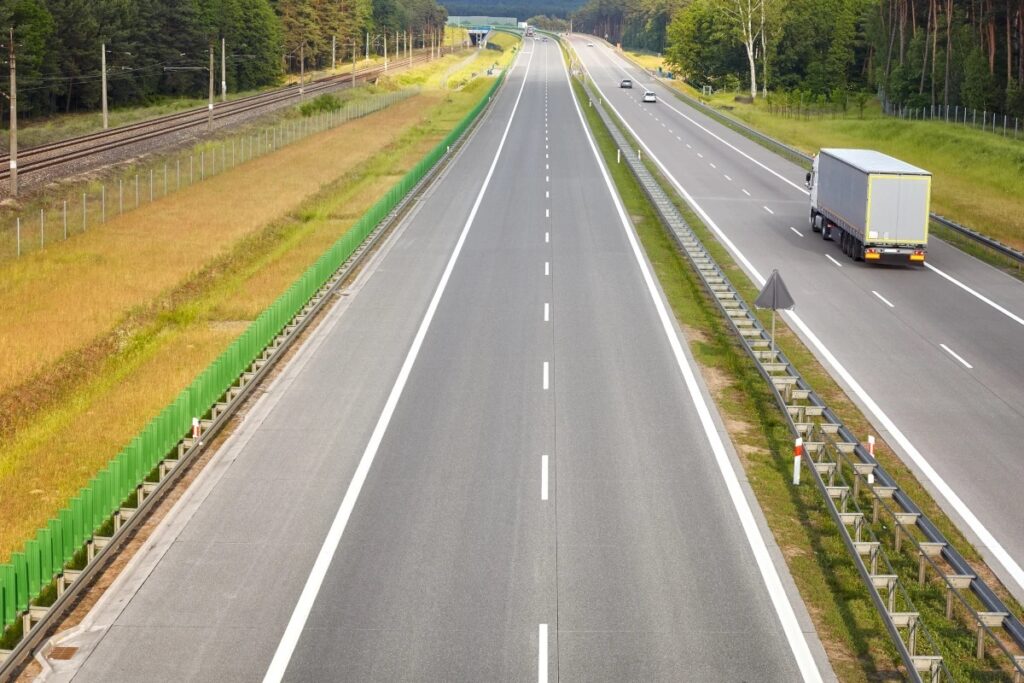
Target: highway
x=932 y=356
x=493 y=460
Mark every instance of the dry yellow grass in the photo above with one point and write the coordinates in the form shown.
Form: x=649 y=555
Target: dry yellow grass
x=55 y=454
x=55 y=300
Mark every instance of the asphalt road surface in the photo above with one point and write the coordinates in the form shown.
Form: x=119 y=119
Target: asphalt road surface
x=933 y=356
x=493 y=461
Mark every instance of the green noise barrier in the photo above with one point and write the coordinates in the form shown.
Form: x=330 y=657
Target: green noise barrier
x=45 y=556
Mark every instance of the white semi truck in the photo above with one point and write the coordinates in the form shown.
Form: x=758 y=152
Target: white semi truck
x=875 y=206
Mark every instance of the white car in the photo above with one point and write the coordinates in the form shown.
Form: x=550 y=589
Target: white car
x=649 y=96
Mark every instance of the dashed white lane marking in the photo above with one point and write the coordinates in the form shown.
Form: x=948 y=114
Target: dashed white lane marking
x=547 y=267
x=547 y=213
x=745 y=191
x=883 y=299
x=712 y=165
x=543 y=477
x=981 y=297
x=325 y=556
x=957 y=356
x=679 y=138
x=727 y=177
x=547 y=167
x=547 y=372
x=699 y=155
x=547 y=194
x=547 y=179
x=829 y=257
x=688 y=146
x=547 y=237
x=783 y=608
x=542 y=654
x=768 y=210
x=798 y=233
x=985 y=536
x=547 y=312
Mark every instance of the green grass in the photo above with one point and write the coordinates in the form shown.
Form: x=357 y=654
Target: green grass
x=844 y=616
x=978 y=177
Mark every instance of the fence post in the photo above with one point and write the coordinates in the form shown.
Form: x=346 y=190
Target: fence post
x=85 y=213
x=42 y=229
x=103 y=203
x=136 y=190
x=18 y=234
x=65 y=219
x=120 y=196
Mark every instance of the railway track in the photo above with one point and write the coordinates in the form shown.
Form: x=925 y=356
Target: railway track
x=54 y=154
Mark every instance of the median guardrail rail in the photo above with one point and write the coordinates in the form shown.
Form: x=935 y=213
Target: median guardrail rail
x=889 y=540
x=62 y=556
x=791 y=152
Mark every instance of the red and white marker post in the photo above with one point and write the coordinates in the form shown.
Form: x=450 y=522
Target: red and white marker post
x=196 y=429
x=871 y=451
x=798 y=450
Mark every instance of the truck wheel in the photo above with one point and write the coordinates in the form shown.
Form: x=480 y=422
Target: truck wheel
x=826 y=231
x=858 y=250
x=815 y=223
x=844 y=243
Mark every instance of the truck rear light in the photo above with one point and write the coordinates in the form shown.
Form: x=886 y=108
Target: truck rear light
x=872 y=254
x=918 y=255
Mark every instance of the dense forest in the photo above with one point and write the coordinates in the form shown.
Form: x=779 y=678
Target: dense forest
x=913 y=52
x=161 y=48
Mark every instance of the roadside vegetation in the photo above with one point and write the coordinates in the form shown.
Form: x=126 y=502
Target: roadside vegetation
x=853 y=636
x=978 y=177
x=104 y=329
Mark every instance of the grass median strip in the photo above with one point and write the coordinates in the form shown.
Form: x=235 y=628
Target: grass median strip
x=174 y=335
x=846 y=621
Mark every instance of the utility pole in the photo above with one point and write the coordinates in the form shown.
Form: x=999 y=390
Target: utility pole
x=223 y=71
x=302 y=69
x=14 y=120
x=209 y=107
x=103 y=80
x=334 y=52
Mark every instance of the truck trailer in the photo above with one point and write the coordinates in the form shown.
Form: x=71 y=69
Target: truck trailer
x=875 y=206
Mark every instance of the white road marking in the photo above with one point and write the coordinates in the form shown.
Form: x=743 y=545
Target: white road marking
x=547 y=156
x=547 y=179
x=679 y=138
x=547 y=213
x=957 y=356
x=546 y=376
x=829 y=257
x=547 y=237
x=297 y=621
x=547 y=312
x=770 y=576
x=547 y=267
x=543 y=477
x=688 y=146
x=542 y=654
x=768 y=210
x=883 y=299
x=712 y=165
x=727 y=177
x=547 y=194
x=985 y=537
x=699 y=155
x=798 y=233
x=745 y=191
x=978 y=295
x=547 y=167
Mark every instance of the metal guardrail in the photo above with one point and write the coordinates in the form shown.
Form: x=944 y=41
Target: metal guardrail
x=786 y=150
x=843 y=459
x=99 y=556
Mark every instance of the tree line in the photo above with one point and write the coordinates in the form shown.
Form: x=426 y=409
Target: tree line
x=915 y=53
x=160 y=48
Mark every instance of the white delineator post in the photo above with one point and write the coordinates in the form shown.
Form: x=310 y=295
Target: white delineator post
x=798 y=449
x=196 y=428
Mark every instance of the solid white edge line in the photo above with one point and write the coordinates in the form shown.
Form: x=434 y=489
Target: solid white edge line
x=773 y=584
x=829 y=257
x=957 y=356
x=297 y=621
x=547 y=383
x=542 y=653
x=883 y=299
x=798 y=233
x=985 y=537
x=1012 y=316
x=543 y=477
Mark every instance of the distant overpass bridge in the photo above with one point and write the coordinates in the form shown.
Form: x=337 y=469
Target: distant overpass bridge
x=479 y=26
